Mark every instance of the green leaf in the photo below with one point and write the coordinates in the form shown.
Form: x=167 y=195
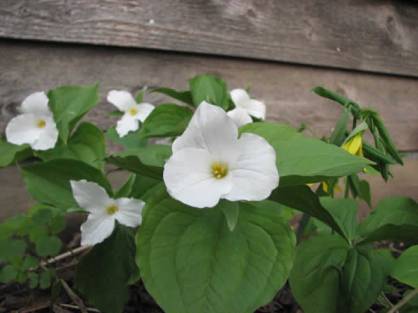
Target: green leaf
x=231 y=212
x=147 y=161
x=69 y=104
x=302 y=159
x=45 y=279
x=394 y=218
x=344 y=212
x=166 y=120
x=137 y=186
x=10 y=153
x=33 y=280
x=102 y=275
x=387 y=140
x=48 y=246
x=183 y=96
x=209 y=88
x=87 y=144
x=303 y=199
x=49 y=182
x=8 y=274
x=29 y=262
x=330 y=276
x=338 y=134
x=405 y=269
x=132 y=140
x=191 y=262
x=11 y=249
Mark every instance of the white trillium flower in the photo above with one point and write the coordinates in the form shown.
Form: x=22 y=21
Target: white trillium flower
x=245 y=107
x=210 y=162
x=133 y=112
x=35 y=126
x=104 y=211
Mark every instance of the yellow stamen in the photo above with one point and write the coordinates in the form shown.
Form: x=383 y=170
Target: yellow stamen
x=112 y=209
x=133 y=111
x=219 y=170
x=41 y=123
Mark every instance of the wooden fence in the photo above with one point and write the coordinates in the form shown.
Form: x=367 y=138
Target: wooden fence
x=365 y=49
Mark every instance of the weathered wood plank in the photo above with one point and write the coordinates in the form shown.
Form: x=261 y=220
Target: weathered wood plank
x=28 y=67
x=369 y=35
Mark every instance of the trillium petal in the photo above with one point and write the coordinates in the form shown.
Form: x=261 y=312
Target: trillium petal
x=22 y=129
x=240 y=97
x=130 y=210
x=36 y=103
x=188 y=177
x=240 y=116
x=96 y=229
x=126 y=124
x=144 y=109
x=257 y=109
x=90 y=196
x=210 y=129
x=254 y=175
x=48 y=136
x=121 y=99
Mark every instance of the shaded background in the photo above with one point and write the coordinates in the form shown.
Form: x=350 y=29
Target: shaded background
x=281 y=49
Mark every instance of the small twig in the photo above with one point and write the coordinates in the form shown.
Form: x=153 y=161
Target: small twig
x=404 y=301
x=71 y=306
x=61 y=257
x=76 y=299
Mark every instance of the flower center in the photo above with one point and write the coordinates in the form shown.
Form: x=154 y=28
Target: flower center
x=219 y=170
x=133 y=111
x=41 y=123
x=112 y=209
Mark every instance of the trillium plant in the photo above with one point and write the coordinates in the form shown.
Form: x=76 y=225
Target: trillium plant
x=219 y=210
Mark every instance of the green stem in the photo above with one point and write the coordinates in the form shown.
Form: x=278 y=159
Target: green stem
x=404 y=301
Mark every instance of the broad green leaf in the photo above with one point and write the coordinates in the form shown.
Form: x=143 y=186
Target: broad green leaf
x=137 y=186
x=302 y=198
x=11 y=249
x=10 y=153
x=69 y=104
x=130 y=141
x=406 y=269
x=231 y=213
x=394 y=218
x=330 y=276
x=49 y=182
x=344 y=212
x=48 y=246
x=166 y=120
x=209 y=88
x=191 y=262
x=302 y=159
x=183 y=96
x=87 y=144
x=102 y=275
x=147 y=161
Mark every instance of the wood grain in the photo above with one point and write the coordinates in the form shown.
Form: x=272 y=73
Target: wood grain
x=368 y=35
x=28 y=67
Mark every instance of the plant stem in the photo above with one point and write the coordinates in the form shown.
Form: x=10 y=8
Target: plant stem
x=404 y=301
